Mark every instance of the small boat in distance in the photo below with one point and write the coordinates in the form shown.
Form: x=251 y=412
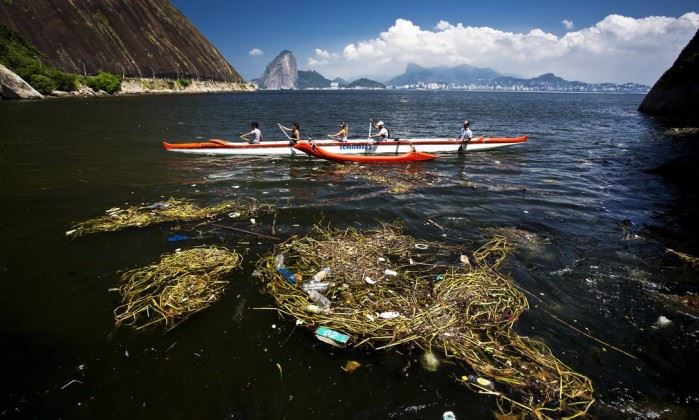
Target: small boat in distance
x=314 y=150
x=354 y=146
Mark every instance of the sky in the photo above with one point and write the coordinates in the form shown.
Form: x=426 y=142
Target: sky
x=591 y=40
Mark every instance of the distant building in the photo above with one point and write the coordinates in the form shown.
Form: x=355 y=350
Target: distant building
x=334 y=85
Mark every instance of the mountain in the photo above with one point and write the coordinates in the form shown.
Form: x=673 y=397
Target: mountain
x=340 y=81
x=459 y=75
x=281 y=73
x=550 y=82
x=676 y=94
x=311 y=79
x=364 y=83
x=145 y=38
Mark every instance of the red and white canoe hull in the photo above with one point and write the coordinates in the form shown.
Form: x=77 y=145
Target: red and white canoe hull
x=283 y=148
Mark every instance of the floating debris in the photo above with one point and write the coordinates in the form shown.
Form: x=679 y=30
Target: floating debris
x=468 y=315
x=181 y=284
x=172 y=210
x=662 y=321
x=351 y=366
x=429 y=361
x=691 y=260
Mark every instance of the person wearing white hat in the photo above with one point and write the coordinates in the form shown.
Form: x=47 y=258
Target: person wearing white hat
x=383 y=131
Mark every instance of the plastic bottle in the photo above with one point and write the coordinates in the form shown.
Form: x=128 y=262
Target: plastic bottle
x=287 y=274
x=279 y=261
x=319 y=299
x=319 y=276
x=320 y=286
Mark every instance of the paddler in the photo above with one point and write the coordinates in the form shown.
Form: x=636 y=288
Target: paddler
x=465 y=134
x=383 y=131
x=343 y=133
x=254 y=136
x=295 y=131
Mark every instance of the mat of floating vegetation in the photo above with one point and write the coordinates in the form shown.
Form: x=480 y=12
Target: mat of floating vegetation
x=181 y=284
x=172 y=210
x=395 y=180
x=388 y=289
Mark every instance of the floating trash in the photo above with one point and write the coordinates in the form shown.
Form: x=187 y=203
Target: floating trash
x=178 y=286
x=351 y=366
x=172 y=210
x=332 y=337
x=176 y=237
x=421 y=247
x=662 y=322
x=468 y=315
x=429 y=361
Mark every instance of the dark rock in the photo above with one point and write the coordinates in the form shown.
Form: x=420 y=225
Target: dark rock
x=311 y=79
x=675 y=96
x=281 y=73
x=145 y=38
x=14 y=87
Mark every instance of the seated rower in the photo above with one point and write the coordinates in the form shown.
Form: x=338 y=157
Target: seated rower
x=383 y=131
x=254 y=136
x=295 y=131
x=342 y=134
x=465 y=134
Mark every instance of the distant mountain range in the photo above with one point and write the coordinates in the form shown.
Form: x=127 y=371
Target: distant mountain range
x=282 y=73
x=474 y=78
x=463 y=74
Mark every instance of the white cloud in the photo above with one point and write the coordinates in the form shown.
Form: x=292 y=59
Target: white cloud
x=616 y=49
x=255 y=52
x=322 y=57
x=568 y=24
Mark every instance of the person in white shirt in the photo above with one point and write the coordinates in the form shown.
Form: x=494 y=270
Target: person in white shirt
x=254 y=136
x=465 y=134
x=383 y=131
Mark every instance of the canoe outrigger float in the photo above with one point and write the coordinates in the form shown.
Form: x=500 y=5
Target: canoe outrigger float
x=349 y=147
x=312 y=149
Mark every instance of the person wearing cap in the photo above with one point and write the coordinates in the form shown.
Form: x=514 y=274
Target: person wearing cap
x=383 y=131
x=254 y=136
x=465 y=134
x=343 y=133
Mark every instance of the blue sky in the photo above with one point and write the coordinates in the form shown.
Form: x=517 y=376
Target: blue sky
x=302 y=26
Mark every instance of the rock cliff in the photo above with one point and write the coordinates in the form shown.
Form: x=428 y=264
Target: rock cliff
x=675 y=96
x=144 y=38
x=281 y=73
x=14 y=87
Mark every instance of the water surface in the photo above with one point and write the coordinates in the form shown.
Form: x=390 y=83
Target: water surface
x=580 y=186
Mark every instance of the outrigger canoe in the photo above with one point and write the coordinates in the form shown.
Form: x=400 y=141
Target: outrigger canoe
x=314 y=150
x=284 y=147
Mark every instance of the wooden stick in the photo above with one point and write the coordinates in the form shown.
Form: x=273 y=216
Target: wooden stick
x=262 y=235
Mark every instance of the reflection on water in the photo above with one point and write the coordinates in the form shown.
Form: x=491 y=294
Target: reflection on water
x=590 y=225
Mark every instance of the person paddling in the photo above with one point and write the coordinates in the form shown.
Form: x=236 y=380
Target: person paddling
x=465 y=134
x=295 y=131
x=383 y=131
x=343 y=133
x=254 y=136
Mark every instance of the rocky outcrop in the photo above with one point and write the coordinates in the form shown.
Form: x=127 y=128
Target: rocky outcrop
x=675 y=96
x=281 y=73
x=144 y=38
x=14 y=87
x=311 y=80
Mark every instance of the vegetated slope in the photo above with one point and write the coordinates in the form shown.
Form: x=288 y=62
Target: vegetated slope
x=135 y=38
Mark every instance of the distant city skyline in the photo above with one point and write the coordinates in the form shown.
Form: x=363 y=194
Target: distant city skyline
x=594 y=41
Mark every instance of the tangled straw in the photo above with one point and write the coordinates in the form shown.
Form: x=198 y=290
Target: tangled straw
x=181 y=284
x=466 y=311
x=172 y=210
